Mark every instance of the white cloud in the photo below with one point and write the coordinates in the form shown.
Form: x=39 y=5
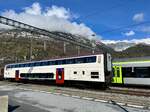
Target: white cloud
x=130 y=33
x=136 y=41
x=139 y=17
x=52 y=18
x=60 y=12
x=113 y=41
x=35 y=9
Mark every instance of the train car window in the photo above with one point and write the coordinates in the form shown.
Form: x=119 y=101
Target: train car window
x=16 y=66
x=36 y=64
x=75 y=61
x=75 y=72
x=21 y=65
x=46 y=63
x=91 y=59
x=63 y=61
x=84 y=60
x=70 y=61
x=49 y=62
x=29 y=64
x=53 y=62
x=59 y=62
x=51 y=75
x=80 y=60
x=83 y=72
x=12 y=66
x=9 y=66
x=118 y=72
x=127 y=72
x=42 y=63
x=33 y=64
x=113 y=71
x=59 y=75
x=56 y=62
x=26 y=65
x=142 y=72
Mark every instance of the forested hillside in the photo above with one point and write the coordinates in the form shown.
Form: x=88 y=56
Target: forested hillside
x=17 y=47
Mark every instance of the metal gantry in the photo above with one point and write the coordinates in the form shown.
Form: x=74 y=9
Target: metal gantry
x=56 y=35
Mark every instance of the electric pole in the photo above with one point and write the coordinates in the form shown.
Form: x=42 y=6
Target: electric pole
x=45 y=46
x=64 y=47
x=78 y=47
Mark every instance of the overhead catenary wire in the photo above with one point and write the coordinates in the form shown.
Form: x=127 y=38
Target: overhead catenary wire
x=94 y=13
x=110 y=9
x=123 y=27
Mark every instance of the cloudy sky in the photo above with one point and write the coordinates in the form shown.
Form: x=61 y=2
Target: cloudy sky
x=105 y=18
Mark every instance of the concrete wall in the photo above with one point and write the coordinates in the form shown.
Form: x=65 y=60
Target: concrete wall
x=3 y=103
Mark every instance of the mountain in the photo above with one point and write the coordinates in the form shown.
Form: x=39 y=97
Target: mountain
x=120 y=46
x=19 y=46
x=138 y=50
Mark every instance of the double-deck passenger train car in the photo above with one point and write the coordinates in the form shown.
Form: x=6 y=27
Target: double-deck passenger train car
x=91 y=68
x=132 y=72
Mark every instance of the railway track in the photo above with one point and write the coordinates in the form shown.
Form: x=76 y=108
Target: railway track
x=117 y=90
x=130 y=92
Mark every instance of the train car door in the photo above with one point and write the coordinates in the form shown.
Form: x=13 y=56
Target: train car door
x=117 y=71
x=60 y=76
x=17 y=75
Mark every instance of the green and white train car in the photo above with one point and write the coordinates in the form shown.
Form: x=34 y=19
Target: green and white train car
x=131 y=71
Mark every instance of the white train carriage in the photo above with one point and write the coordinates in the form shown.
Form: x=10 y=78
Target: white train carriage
x=91 y=68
